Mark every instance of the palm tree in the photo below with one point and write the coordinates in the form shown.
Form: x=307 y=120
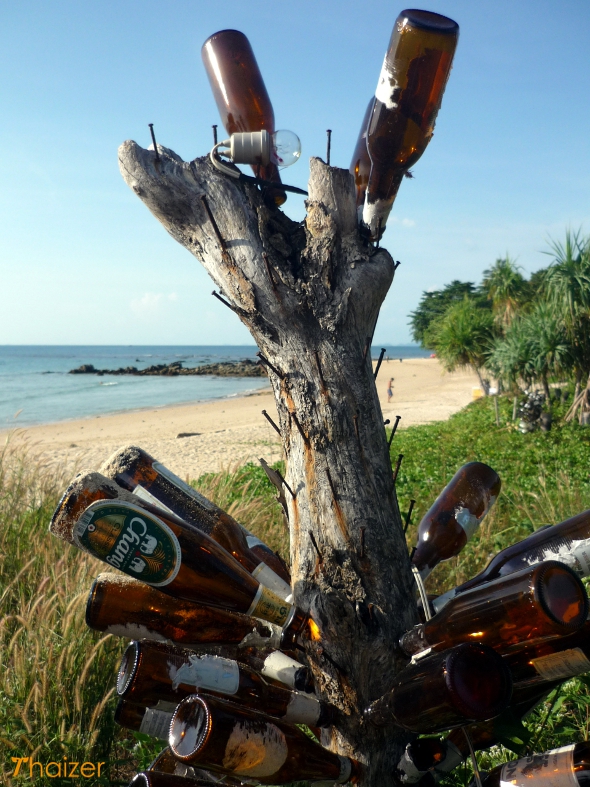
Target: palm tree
x=506 y=287
x=510 y=360
x=462 y=337
x=567 y=288
x=549 y=343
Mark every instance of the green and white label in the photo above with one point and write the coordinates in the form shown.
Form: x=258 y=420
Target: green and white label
x=129 y=538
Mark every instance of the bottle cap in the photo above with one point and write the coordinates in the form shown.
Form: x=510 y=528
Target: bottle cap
x=428 y=20
x=561 y=594
x=128 y=668
x=190 y=727
x=478 y=681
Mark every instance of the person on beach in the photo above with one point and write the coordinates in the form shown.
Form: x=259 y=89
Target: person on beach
x=389 y=390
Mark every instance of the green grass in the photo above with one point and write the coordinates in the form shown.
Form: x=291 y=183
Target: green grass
x=545 y=477
x=57 y=684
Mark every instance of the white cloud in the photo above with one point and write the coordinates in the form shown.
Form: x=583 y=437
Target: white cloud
x=152 y=303
x=403 y=222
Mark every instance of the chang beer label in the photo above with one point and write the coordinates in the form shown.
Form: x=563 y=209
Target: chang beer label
x=266 y=605
x=129 y=538
x=184 y=487
x=553 y=768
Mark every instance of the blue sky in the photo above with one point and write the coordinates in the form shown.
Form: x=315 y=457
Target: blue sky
x=81 y=259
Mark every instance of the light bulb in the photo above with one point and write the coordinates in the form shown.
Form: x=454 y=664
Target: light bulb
x=285 y=148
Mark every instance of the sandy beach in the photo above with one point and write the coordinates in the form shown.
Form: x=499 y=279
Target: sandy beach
x=232 y=431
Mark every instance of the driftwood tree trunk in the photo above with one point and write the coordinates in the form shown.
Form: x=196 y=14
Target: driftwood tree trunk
x=310 y=295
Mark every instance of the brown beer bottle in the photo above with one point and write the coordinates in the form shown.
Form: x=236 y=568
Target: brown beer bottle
x=240 y=93
x=138 y=472
x=149 y=721
x=407 y=99
x=424 y=754
x=220 y=736
x=419 y=757
x=125 y=607
x=455 y=515
x=152 y=672
x=469 y=682
x=166 y=764
x=157 y=547
x=360 y=166
x=536 y=604
x=561 y=767
x=557 y=659
x=568 y=542
x=157 y=779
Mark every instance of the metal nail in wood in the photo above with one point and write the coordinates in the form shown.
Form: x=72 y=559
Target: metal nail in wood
x=397 y=467
x=151 y=125
x=300 y=428
x=398 y=418
x=379 y=362
x=316 y=547
x=409 y=514
x=266 y=362
x=226 y=303
x=271 y=422
x=218 y=234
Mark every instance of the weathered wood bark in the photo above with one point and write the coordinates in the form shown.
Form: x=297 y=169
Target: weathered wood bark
x=310 y=295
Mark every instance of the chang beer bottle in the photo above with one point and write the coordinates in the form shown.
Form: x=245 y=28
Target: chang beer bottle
x=224 y=737
x=535 y=605
x=407 y=99
x=437 y=692
x=138 y=472
x=568 y=542
x=125 y=607
x=568 y=766
x=360 y=166
x=240 y=93
x=151 y=673
x=455 y=515
x=157 y=547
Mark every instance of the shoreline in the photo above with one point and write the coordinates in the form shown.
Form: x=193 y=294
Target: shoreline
x=4 y=430
x=226 y=432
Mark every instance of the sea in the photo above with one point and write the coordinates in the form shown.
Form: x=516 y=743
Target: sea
x=35 y=387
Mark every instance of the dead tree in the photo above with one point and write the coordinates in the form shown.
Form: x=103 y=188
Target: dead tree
x=310 y=295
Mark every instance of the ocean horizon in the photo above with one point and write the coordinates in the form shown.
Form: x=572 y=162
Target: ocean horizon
x=35 y=387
